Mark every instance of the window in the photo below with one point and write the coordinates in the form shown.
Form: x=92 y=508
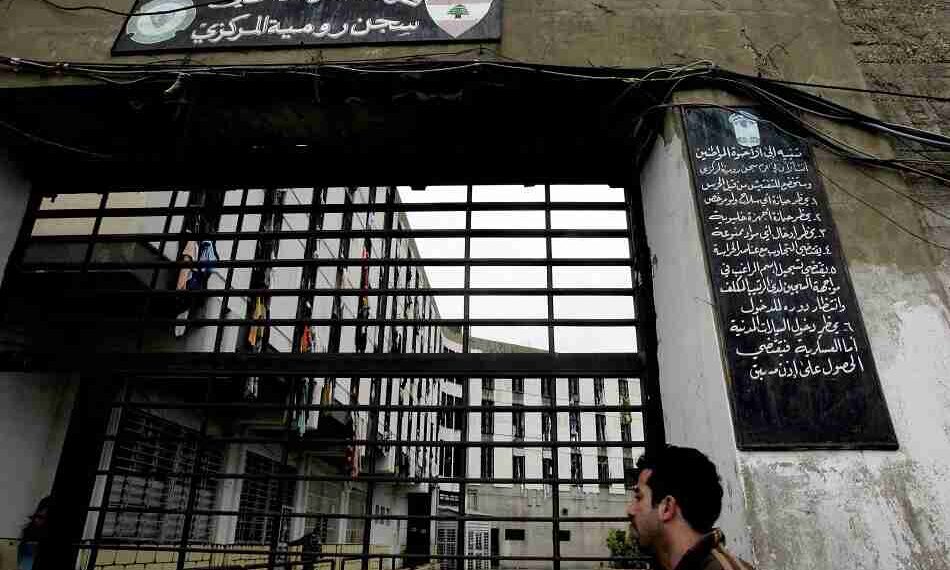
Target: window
x=445 y=462
x=598 y=391
x=514 y=534
x=625 y=429
x=518 y=468
x=449 y=418
x=547 y=387
x=547 y=427
x=574 y=419
x=488 y=462
x=601 y=425
x=547 y=468
x=573 y=390
x=577 y=470
x=472 y=499
x=264 y=495
x=450 y=464
x=624 y=391
x=488 y=418
x=517 y=424
x=629 y=472
x=603 y=471
x=488 y=384
x=517 y=385
x=564 y=536
x=138 y=450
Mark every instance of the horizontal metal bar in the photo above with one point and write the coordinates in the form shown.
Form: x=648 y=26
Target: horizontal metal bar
x=315 y=514
x=587 y=408
x=402 y=291
x=63 y=266
x=136 y=545
x=343 y=442
x=362 y=478
x=437 y=365
x=66 y=213
x=199 y=322
x=327 y=234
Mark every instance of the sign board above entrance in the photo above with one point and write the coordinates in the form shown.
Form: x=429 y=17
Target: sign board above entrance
x=799 y=362
x=193 y=25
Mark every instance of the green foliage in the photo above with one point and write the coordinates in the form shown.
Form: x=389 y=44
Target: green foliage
x=458 y=11
x=621 y=549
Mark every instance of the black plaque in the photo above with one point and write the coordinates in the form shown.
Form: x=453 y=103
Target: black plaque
x=244 y=24
x=801 y=374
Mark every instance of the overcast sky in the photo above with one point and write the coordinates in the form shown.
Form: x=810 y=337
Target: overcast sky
x=567 y=339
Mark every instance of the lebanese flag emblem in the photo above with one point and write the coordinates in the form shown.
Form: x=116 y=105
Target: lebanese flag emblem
x=456 y=17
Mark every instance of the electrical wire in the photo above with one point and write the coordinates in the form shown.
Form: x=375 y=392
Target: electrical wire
x=862 y=90
x=37 y=138
x=773 y=94
x=129 y=14
x=883 y=214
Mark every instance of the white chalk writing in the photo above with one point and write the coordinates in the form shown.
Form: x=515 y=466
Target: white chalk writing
x=773 y=265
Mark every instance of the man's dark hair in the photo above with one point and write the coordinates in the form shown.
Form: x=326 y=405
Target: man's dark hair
x=688 y=476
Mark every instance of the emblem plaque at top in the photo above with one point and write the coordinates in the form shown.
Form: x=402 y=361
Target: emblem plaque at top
x=193 y=25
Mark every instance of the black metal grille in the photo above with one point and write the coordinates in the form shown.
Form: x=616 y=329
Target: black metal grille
x=386 y=367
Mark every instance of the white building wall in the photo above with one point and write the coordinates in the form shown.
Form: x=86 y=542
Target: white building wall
x=588 y=433
x=532 y=397
x=503 y=427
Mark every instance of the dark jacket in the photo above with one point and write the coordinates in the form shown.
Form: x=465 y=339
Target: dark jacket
x=710 y=554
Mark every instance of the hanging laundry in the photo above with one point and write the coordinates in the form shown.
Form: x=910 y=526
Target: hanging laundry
x=306 y=340
x=188 y=253
x=257 y=331
x=362 y=310
x=207 y=257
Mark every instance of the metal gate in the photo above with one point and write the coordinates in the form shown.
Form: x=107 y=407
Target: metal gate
x=281 y=368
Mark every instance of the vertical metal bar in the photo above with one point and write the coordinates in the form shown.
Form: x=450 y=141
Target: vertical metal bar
x=278 y=517
x=166 y=227
x=460 y=540
x=555 y=488
x=642 y=283
x=375 y=388
x=96 y=226
x=107 y=488
x=225 y=299
x=273 y=198
x=34 y=202
x=195 y=479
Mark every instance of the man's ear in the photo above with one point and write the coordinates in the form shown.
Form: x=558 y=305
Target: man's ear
x=668 y=508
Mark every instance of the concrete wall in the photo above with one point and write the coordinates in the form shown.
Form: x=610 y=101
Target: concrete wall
x=34 y=413
x=838 y=509
x=14 y=192
x=745 y=35
x=692 y=379
x=34 y=408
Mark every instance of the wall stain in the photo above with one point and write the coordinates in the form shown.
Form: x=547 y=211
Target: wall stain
x=793 y=509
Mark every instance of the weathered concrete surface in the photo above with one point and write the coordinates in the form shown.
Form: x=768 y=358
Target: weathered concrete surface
x=692 y=378
x=815 y=509
x=744 y=35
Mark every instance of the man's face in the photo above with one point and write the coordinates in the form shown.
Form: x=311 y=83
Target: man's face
x=644 y=517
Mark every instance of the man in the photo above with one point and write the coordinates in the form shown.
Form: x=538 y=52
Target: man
x=311 y=546
x=676 y=501
x=34 y=540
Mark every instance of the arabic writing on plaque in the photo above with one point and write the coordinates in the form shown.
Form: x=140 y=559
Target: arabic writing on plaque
x=184 y=25
x=787 y=310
